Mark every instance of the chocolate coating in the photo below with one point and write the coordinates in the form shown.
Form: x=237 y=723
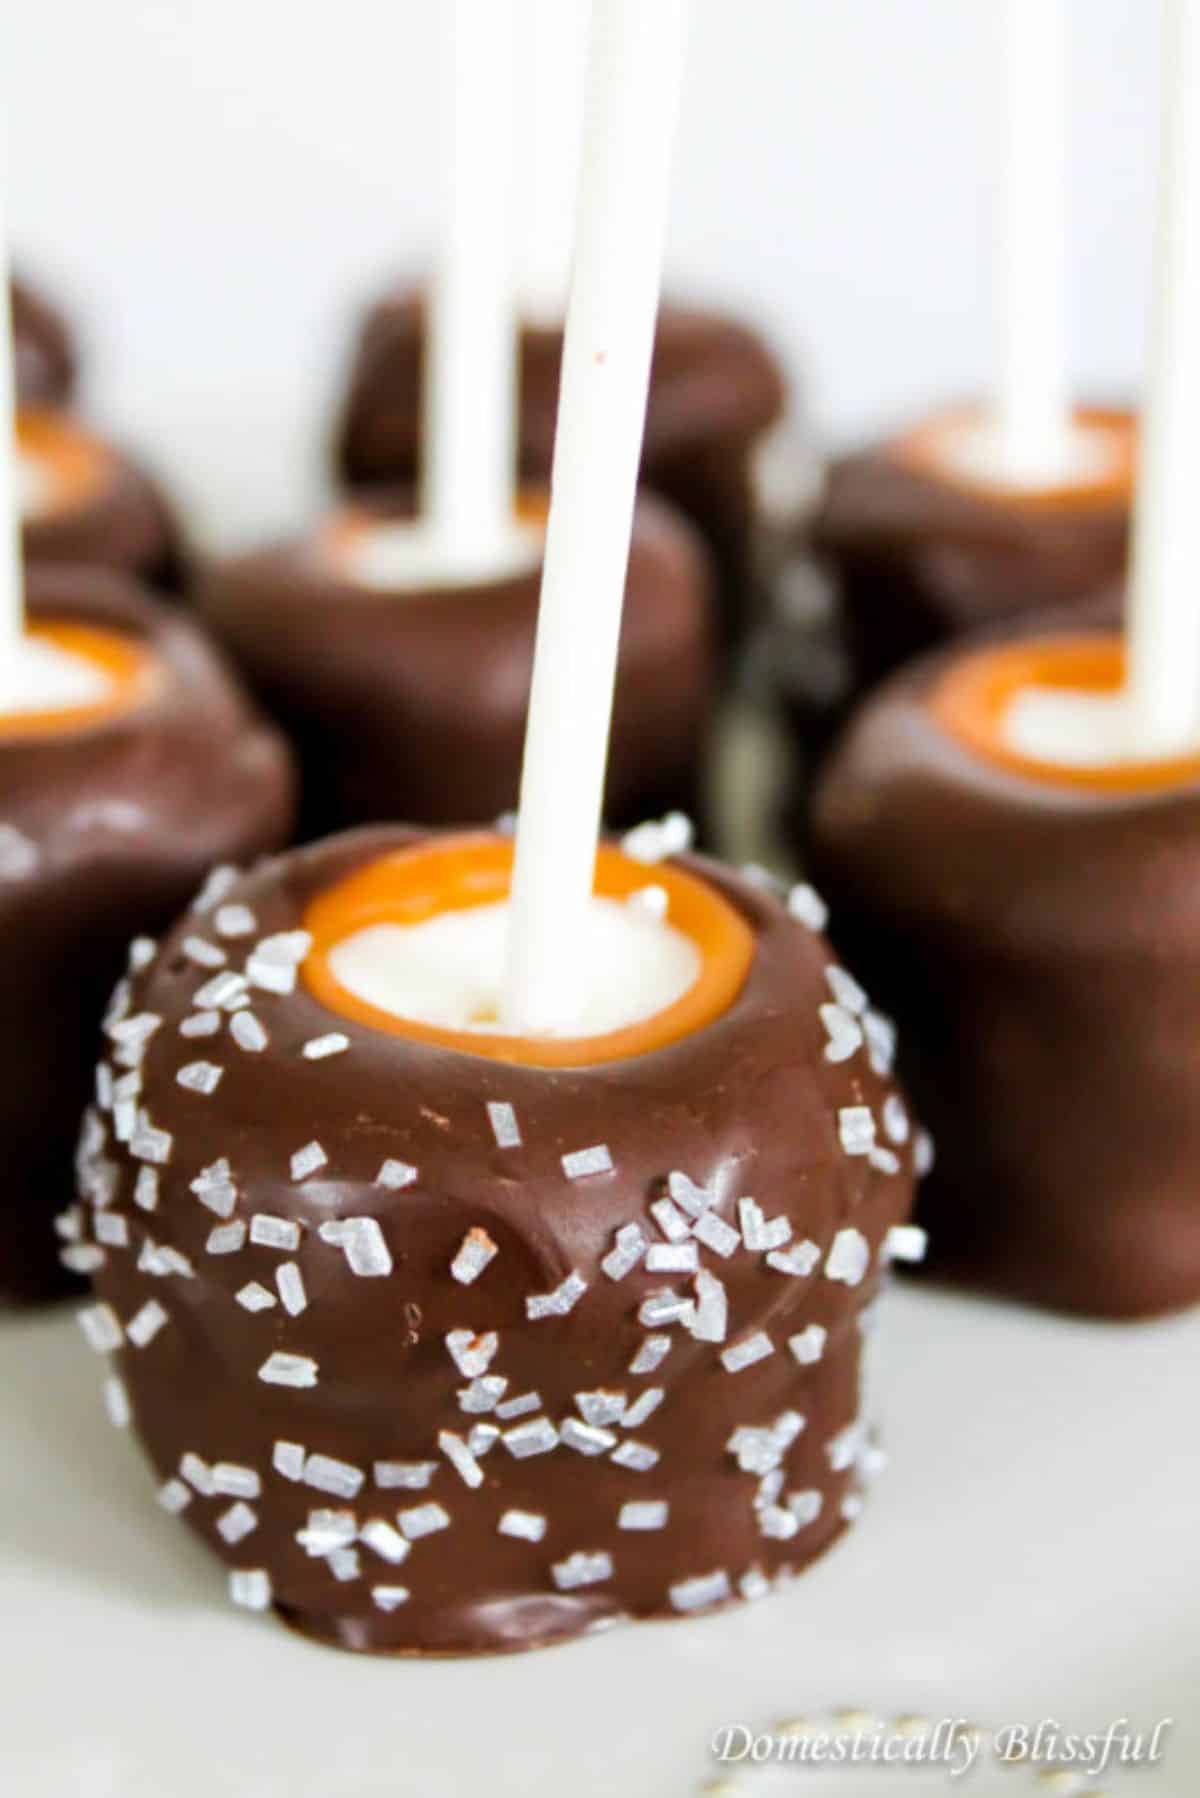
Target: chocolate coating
x=43 y=348
x=1038 y=945
x=412 y=705
x=104 y=833
x=750 y=1104
x=715 y=391
x=919 y=560
x=127 y=525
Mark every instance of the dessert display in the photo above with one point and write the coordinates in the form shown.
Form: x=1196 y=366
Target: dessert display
x=130 y=763
x=1029 y=921
x=405 y=694
x=44 y=360
x=924 y=544
x=473 y=1342
x=716 y=392
x=82 y=501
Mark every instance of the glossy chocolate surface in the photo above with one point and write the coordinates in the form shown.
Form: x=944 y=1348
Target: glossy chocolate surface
x=749 y=1106
x=43 y=348
x=1039 y=946
x=412 y=705
x=105 y=832
x=126 y=525
x=919 y=559
x=716 y=389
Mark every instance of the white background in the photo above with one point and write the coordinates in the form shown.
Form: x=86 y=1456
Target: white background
x=216 y=183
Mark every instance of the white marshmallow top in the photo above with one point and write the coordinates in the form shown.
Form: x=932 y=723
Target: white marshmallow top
x=403 y=554
x=36 y=676
x=975 y=450
x=449 y=971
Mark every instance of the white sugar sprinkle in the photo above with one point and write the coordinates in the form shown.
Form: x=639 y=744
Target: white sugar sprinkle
x=214 y=1187
x=202 y=1077
x=378 y=1535
x=19 y=854
x=923 y=1155
x=746 y=1353
x=250 y=1588
x=307 y=1160
x=905 y=1242
x=362 y=1242
x=582 y=1569
x=885 y=1161
x=895 y=1118
x=395 y=1175
x=389 y=1598
x=844 y=1449
x=481 y=1437
x=630 y=1248
x=150 y=1144
x=584 y=1438
x=142 y=951
x=665 y=1307
x=474 y=1252
x=223 y=992
x=470 y=1353
x=145 y=1324
x=672 y=1258
x=197 y=1473
x=204 y=954
x=482 y=1395
x=805 y=1506
x=881 y=1041
x=849 y=1257
x=282 y=1369
x=326 y=1532
x=520 y=1407
x=710 y=1318
x=799 y=1260
x=112 y=1229
x=217 y=883
x=320 y=1048
x=643 y=1407
x=344 y=1563
x=460 y=1458
x=248 y=1033
x=270 y=1232
x=754 y=1584
x=289 y=1283
x=694 y=1199
x=643 y=1514
x=856 y=1129
x=82 y=1257
x=201 y=1023
x=503 y=1120
x=716 y=1234
x=653 y=1351
x=253 y=1297
x=529 y=1526
x=407 y=1476
x=338 y=1478
x=537 y=1437
x=288 y=1458
x=638 y=1456
x=846 y=989
x=226 y=1239
x=670 y=1220
x=600 y=1407
x=116 y=1402
x=558 y=1302
x=806 y=905
x=174 y=1497
x=697 y=1594
x=234 y=921
x=422 y=1520
x=231 y=1480
x=809 y=1344
x=580 y=1163
x=843 y=1031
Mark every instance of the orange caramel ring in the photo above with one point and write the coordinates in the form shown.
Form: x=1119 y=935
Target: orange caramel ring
x=923 y=448
x=130 y=667
x=972 y=698
x=79 y=464
x=460 y=872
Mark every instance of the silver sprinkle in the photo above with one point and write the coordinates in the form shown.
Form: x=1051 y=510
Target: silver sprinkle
x=582 y=1569
x=528 y=1526
x=282 y=1369
x=503 y=1120
x=849 y=1258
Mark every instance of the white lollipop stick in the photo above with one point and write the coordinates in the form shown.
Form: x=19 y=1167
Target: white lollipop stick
x=635 y=71
x=1033 y=401
x=552 y=63
x=1163 y=622
x=469 y=450
x=12 y=580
